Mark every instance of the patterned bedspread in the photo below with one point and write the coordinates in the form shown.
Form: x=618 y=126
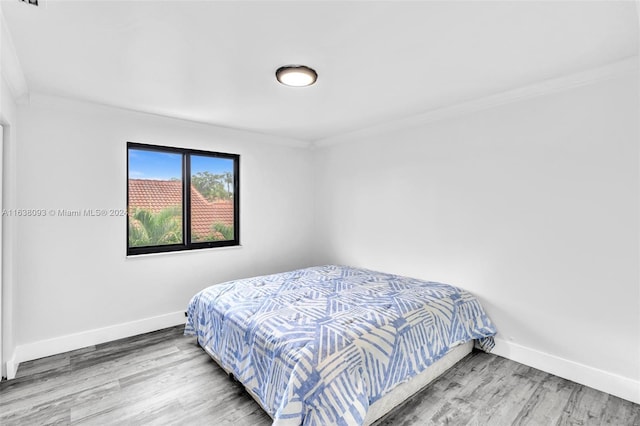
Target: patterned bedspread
x=317 y=346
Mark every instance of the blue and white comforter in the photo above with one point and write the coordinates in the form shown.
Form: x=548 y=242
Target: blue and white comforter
x=317 y=346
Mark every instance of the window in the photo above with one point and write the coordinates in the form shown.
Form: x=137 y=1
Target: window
x=180 y=199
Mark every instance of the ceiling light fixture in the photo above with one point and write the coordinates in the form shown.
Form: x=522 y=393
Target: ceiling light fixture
x=296 y=75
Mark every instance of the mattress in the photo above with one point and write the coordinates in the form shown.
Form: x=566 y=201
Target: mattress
x=322 y=345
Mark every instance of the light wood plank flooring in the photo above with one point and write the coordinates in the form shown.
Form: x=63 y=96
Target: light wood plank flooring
x=166 y=378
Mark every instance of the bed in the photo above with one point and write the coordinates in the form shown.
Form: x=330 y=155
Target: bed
x=335 y=344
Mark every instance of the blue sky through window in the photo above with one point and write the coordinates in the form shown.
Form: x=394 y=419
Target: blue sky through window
x=154 y=165
x=213 y=165
x=144 y=164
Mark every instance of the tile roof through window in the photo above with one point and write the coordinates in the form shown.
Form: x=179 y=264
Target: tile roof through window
x=156 y=195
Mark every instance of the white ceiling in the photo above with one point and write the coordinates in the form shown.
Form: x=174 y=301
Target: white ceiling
x=214 y=62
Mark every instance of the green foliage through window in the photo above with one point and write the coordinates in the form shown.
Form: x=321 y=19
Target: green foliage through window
x=213 y=186
x=152 y=229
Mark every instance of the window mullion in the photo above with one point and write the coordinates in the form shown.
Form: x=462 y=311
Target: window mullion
x=186 y=179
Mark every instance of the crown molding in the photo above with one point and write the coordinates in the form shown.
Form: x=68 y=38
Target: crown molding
x=10 y=65
x=616 y=69
x=54 y=101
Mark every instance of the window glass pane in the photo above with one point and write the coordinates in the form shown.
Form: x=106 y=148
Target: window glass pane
x=155 y=198
x=212 y=199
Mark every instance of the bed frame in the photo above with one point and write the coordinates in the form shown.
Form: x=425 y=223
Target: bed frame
x=403 y=391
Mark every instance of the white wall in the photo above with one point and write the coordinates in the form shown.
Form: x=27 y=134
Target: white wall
x=76 y=286
x=532 y=206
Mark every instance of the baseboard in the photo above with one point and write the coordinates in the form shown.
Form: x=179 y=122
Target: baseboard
x=58 y=345
x=12 y=368
x=622 y=387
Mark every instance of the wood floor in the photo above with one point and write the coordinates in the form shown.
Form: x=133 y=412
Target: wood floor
x=165 y=378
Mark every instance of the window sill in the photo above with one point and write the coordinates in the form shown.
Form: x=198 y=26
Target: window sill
x=202 y=250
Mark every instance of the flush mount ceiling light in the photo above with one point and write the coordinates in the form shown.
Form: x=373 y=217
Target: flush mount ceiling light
x=296 y=75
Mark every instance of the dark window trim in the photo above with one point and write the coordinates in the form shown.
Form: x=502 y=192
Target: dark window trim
x=186 y=200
